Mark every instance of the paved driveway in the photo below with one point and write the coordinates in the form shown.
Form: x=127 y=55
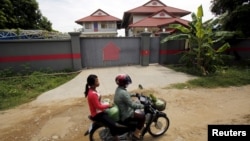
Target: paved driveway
x=148 y=76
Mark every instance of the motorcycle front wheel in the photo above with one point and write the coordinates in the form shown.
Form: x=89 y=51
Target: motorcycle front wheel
x=159 y=126
x=100 y=133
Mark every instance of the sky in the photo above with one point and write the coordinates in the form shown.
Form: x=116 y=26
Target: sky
x=63 y=13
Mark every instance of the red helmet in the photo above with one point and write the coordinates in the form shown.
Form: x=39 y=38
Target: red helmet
x=123 y=80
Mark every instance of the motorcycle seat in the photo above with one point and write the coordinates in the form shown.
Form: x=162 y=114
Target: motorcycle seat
x=118 y=124
x=128 y=123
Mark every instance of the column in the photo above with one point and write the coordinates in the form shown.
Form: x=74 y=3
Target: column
x=145 y=48
x=75 y=50
x=163 y=49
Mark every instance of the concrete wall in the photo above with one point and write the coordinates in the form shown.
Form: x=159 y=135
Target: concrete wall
x=170 y=51
x=78 y=53
x=36 y=54
x=240 y=49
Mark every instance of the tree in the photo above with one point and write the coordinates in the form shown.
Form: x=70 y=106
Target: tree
x=23 y=14
x=202 y=53
x=235 y=15
x=6 y=9
x=44 y=24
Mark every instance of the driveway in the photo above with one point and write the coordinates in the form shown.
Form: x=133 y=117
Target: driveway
x=148 y=76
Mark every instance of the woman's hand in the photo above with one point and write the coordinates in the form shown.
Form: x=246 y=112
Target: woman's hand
x=111 y=105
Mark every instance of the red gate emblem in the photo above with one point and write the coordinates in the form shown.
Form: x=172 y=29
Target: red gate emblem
x=111 y=52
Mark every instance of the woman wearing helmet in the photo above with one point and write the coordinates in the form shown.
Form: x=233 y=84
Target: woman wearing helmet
x=126 y=106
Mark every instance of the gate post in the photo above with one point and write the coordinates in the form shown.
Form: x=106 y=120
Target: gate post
x=145 y=48
x=75 y=50
x=163 y=49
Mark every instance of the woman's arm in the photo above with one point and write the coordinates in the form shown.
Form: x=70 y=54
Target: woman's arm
x=98 y=104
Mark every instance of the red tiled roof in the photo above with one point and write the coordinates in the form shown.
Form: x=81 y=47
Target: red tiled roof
x=153 y=9
x=147 y=9
x=156 y=22
x=157 y=19
x=96 y=18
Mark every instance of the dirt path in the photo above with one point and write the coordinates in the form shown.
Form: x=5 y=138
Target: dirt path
x=189 y=111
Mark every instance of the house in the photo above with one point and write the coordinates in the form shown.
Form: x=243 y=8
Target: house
x=99 y=24
x=154 y=16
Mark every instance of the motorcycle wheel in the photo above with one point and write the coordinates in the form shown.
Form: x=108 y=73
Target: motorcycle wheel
x=99 y=133
x=159 y=126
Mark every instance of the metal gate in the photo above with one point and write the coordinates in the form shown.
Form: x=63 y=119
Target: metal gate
x=105 y=52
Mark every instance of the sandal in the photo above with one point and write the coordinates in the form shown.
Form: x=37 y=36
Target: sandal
x=135 y=138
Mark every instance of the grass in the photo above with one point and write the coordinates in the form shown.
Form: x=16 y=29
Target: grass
x=230 y=76
x=16 y=89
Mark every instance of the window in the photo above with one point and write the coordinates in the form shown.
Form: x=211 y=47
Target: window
x=88 y=25
x=111 y=24
x=162 y=14
x=106 y=25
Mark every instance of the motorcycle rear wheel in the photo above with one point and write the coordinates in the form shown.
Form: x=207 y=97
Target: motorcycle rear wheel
x=100 y=133
x=159 y=126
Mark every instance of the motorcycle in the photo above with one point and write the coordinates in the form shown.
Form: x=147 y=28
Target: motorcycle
x=156 y=124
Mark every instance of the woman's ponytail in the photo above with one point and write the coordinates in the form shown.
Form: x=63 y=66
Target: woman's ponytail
x=86 y=90
x=90 y=82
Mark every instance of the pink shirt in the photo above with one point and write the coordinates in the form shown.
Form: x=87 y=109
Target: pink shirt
x=95 y=106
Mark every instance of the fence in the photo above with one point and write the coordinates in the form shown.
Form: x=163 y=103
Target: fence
x=77 y=52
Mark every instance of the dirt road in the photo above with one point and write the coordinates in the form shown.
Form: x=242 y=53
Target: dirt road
x=189 y=111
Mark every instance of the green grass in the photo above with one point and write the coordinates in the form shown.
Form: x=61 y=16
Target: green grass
x=230 y=76
x=19 y=88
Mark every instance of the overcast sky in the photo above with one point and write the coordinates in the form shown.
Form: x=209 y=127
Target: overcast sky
x=63 y=13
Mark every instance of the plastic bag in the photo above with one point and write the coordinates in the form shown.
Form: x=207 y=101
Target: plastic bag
x=113 y=112
x=160 y=104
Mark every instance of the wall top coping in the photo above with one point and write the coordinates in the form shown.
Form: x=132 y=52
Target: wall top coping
x=74 y=33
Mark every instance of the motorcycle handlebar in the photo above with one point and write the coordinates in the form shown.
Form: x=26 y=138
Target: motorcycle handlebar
x=142 y=98
x=133 y=95
x=145 y=100
x=136 y=95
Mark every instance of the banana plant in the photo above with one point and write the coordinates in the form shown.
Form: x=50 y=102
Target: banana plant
x=201 y=39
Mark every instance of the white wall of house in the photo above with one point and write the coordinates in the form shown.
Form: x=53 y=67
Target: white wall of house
x=103 y=29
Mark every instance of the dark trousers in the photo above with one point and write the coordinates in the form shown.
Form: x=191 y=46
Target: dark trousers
x=106 y=120
x=139 y=118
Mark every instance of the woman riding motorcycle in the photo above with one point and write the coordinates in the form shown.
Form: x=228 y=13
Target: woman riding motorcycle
x=96 y=107
x=126 y=106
